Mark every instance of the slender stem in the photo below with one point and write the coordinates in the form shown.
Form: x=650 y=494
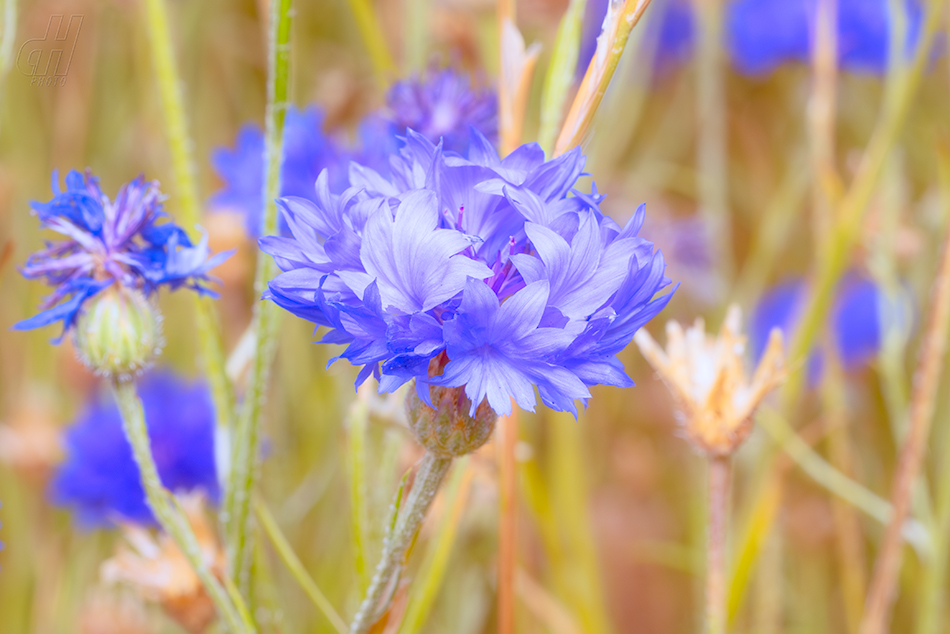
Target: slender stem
x=621 y=18
x=186 y=189
x=560 y=75
x=431 y=472
x=932 y=602
x=432 y=572
x=837 y=483
x=367 y=21
x=712 y=127
x=296 y=568
x=246 y=449
x=719 y=474
x=507 y=523
x=165 y=510
x=884 y=582
x=849 y=214
x=834 y=259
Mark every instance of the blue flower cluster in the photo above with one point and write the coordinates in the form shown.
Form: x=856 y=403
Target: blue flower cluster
x=491 y=273
x=860 y=316
x=100 y=479
x=441 y=105
x=764 y=34
x=110 y=242
x=307 y=151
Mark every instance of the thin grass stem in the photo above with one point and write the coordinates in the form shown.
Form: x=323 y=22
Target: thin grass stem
x=295 y=567
x=181 y=147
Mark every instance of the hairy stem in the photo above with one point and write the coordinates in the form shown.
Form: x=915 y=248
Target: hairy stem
x=167 y=513
x=431 y=472
x=247 y=439
x=719 y=474
x=186 y=189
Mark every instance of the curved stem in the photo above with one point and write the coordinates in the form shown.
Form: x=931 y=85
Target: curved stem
x=431 y=472
x=719 y=474
x=166 y=512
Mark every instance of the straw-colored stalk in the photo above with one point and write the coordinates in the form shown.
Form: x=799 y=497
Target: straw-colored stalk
x=884 y=582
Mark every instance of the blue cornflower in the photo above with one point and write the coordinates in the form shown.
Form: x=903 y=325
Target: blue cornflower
x=491 y=273
x=307 y=151
x=443 y=105
x=860 y=316
x=100 y=479
x=764 y=34
x=110 y=243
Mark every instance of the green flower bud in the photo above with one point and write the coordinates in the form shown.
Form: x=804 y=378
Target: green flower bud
x=448 y=430
x=120 y=332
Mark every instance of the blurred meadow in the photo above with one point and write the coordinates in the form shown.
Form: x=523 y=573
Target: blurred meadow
x=748 y=177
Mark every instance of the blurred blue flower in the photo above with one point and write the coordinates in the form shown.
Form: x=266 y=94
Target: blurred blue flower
x=110 y=242
x=860 y=315
x=670 y=33
x=442 y=105
x=491 y=273
x=307 y=151
x=100 y=480
x=764 y=34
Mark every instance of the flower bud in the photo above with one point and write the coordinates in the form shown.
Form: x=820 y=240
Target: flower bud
x=120 y=332
x=448 y=430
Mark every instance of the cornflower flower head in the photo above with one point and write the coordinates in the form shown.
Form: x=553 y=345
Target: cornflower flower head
x=307 y=151
x=861 y=317
x=100 y=480
x=492 y=274
x=707 y=377
x=158 y=570
x=764 y=34
x=115 y=256
x=442 y=105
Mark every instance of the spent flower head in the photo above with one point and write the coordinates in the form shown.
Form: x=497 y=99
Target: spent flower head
x=100 y=480
x=707 y=377
x=488 y=273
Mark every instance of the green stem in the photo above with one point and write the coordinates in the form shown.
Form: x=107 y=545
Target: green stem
x=837 y=483
x=246 y=450
x=296 y=568
x=432 y=572
x=186 y=189
x=431 y=472
x=560 y=76
x=166 y=510
x=712 y=155
x=367 y=21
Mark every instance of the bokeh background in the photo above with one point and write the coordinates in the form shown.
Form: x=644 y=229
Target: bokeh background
x=611 y=510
